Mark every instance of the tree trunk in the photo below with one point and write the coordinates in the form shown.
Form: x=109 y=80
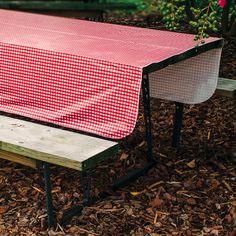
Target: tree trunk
x=233 y=29
x=188 y=11
x=225 y=18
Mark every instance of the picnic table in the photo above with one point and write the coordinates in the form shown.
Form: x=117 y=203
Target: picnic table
x=88 y=76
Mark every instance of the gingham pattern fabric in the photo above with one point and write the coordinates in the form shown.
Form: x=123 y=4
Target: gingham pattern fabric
x=190 y=81
x=78 y=74
x=69 y=90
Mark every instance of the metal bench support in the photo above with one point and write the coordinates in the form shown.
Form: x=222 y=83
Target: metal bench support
x=48 y=188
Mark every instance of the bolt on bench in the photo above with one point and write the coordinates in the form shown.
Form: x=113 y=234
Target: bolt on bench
x=87 y=77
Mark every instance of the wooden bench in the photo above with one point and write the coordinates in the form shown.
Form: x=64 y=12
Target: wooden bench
x=36 y=145
x=225 y=87
x=72 y=8
x=30 y=143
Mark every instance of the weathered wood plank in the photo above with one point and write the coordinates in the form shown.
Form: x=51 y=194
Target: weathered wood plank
x=226 y=87
x=57 y=146
x=26 y=161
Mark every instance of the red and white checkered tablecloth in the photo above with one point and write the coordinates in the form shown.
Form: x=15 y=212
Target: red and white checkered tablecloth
x=87 y=76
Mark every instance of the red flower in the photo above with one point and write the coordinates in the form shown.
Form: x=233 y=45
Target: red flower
x=222 y=3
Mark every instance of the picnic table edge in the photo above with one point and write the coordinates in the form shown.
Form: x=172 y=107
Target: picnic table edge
x=183 y=56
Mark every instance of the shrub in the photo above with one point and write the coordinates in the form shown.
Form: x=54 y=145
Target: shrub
x=204 y=16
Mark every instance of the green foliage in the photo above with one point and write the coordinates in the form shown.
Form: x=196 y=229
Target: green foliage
x=203 y=16
x=149 y=6
x=205 y=20
x=173 y=13
x=138 y=3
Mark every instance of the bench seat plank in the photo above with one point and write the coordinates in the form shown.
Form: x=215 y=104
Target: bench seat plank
x=53 y=145
x=226 y=87
x=26 y=161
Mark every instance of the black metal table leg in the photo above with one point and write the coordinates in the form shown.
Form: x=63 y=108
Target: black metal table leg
x=147 y=116
x=48 y=188
x=86 y=186
x=178 y=120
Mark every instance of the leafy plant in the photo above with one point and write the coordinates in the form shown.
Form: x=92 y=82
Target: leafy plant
x=206 y=16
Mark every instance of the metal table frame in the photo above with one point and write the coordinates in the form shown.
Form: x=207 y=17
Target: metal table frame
x=86 y=175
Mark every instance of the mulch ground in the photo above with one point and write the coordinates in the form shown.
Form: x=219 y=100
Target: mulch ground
x=191 y=190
